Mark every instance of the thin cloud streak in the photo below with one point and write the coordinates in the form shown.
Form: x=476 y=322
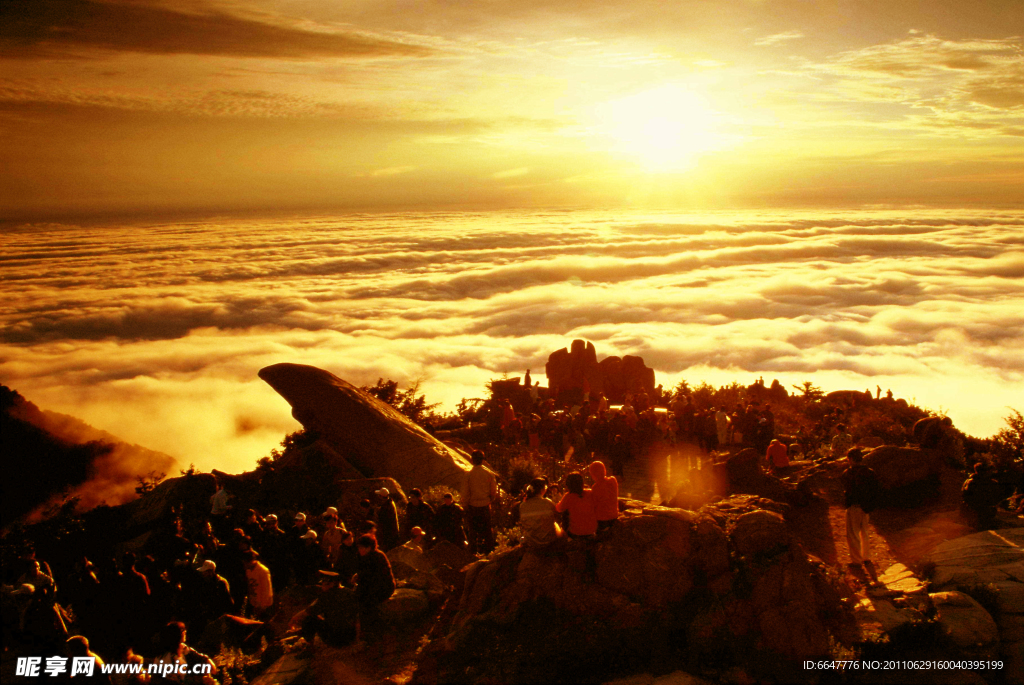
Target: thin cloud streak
x=66 y=28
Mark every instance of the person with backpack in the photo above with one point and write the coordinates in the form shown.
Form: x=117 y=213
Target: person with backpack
x=861 y=486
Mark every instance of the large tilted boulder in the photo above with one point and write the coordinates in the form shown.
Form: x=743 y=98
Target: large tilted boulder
x=373 y=436
x=659 y=576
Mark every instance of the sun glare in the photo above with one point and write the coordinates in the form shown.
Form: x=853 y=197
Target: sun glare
x=664 y=129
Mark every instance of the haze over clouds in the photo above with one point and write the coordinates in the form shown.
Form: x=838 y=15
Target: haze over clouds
x=155 y=332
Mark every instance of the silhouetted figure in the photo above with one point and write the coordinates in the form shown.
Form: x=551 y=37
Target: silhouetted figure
x=862 y=491
x=417 y=513
x=374 y=583
x=387 y=519
x=981 y=495
x=212 y=597
x=479 y=492
x=448 y=522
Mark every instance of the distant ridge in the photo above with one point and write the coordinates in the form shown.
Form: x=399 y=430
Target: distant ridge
x=47 y=455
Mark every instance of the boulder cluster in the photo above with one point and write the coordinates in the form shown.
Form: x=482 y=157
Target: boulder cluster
x=576 y=370
x=728 y=584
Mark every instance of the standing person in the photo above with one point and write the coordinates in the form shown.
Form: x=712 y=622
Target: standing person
x=722 y=426
x=307 y=558
x=981 y=496
x=213 y=595
x=387 y=519
x=330 y=540
x=479 y=492
x=220 y=510
x=448 y=522
x=861 y=486
x=348 y=558
x=605 y=494
x=374 y=583
x=417 y=513
x=261 y=589
x=275 y=550
x=841 y=442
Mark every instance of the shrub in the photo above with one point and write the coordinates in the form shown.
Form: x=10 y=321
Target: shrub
x=521 y=472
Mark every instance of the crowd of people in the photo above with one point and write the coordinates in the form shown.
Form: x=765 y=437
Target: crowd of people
x=192 y=572
x=140 y=607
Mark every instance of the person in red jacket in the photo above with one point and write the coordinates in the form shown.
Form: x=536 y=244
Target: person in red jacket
x=777 y=455
x=580 y=505
x=605 y=494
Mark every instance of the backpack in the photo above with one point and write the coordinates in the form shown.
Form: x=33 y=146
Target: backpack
x=864 y=489
x=868 y=490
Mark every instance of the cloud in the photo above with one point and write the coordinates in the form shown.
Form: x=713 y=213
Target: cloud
x=156 y=332
x=32 y=28
x=952 y=87
x=779 y=38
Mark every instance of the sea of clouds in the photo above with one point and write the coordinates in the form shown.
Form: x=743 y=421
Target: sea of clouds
x=155 y=331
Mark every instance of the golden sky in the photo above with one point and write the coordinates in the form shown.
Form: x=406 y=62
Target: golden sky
x=141 y=106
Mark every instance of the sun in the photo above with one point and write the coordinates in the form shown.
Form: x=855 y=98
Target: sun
x=664 y=129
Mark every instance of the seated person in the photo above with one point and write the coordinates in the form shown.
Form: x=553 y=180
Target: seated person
x=538 y=516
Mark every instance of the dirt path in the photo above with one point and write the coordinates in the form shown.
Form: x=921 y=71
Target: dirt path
x=881 y=552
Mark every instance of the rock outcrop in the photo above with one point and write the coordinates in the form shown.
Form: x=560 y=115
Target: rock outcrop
x=742 y=473
x=662 y=576
x=929 y=432
x=371 y=435
x=900 y=466
x=571 y=370
x=990 y=565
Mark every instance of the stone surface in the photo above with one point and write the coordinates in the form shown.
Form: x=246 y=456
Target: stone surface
x=189 y=492
x=900 y=466
x=850 y=397
x=374 y=437
x=445 y=553
x=987 y=560
x=765 y=589
x=986 y=557
x=928 y=432
x=759 y=532
x=744 y=474
x=414 y=557
x=887 y=615
x=405 y=605
x=899 y=578
x=964 y=622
